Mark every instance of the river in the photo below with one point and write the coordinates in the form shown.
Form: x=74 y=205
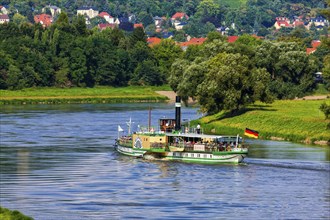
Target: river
x=58 y=162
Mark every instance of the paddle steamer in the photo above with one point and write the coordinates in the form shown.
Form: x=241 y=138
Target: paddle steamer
x=174 y=142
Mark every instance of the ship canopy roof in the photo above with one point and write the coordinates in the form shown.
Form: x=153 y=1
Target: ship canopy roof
x=195 y=135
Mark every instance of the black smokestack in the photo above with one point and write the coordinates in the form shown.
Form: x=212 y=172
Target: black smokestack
x=177 y=113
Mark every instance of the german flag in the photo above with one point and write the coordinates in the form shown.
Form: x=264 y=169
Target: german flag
x=251 y=133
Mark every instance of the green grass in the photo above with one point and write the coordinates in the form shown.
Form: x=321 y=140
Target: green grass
x=74 y=95
x=292 y=120
x=6 y=214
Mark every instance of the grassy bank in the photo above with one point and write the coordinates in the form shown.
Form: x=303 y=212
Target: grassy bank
x=7 y=214
x=82 y=95
x=291 y=120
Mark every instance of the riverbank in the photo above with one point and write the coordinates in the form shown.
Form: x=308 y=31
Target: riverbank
x=8 y=214
x=83 y=95
x=285 y=120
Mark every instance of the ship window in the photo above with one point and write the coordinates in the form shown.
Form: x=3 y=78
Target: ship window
x=205 y=155
x=210 y=156
x=192 y=155
x=198 y=155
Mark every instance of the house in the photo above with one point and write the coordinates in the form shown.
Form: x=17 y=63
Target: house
x=192 y=41
x=4 y=19
x=54 y=10
x=105 y=26
x=107 y=17
x=152 y=41
x=319 y=23
x=179 y=16
x=179 y=20
x=90 y=12
x=44 y=19
x=282 y=22
x=158 y=21
x=3 y=10
x=298 y=21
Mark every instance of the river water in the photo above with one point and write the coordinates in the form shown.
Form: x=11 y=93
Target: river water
x=57 y=162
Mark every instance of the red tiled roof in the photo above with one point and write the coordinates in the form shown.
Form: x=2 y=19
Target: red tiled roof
x=44 y=19
x=138 y=25
x=232 y=39
x=281 y=19
x=104 y=26
x=193 y=41
x=298 y=23
x=103 y=14
x=179 y=15
x=283 y=24
x=310 y=50
x=316 y=43
x=153 y=41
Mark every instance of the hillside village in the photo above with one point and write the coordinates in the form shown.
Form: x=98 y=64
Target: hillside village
x=161 y=24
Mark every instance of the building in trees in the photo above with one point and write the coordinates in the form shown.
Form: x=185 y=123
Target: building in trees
x=90 y=12
x=44 y=19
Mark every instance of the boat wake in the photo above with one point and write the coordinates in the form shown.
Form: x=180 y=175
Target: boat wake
x=291 y=164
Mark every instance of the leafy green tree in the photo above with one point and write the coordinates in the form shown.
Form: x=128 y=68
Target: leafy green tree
x=166 y=53
x=326 y=72
x=137 y=35
x=176 y=73
x=230 y=85
x=208 y=11
x=180 y=36
x=78 y=69
x=193 y=76
x=147 y=73
x=145 y=18
x=215 y=35
x=325 y=109
x=192 y=52
x=19 y=19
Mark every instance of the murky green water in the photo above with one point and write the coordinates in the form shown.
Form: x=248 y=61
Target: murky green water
x=57 y=162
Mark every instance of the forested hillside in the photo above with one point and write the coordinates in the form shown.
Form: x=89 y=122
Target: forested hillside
x=239 y=16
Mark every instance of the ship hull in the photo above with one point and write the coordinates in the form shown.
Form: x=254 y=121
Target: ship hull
x=189 y=157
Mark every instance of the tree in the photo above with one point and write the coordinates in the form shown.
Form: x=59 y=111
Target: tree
x=19 y=19
x=176 y=73
x=325 y=109
x=326 y=72
x=165 y=53
x=208 y=11
x=147 y=73
x=78 y=69
x=230 y=85
x=137 y=35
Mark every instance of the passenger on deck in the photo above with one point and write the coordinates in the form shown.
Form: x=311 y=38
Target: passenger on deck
x=198 y=129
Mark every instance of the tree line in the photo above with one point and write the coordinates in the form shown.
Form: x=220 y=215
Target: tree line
x=68 y=54
x=224 y=76
x=220 y=75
